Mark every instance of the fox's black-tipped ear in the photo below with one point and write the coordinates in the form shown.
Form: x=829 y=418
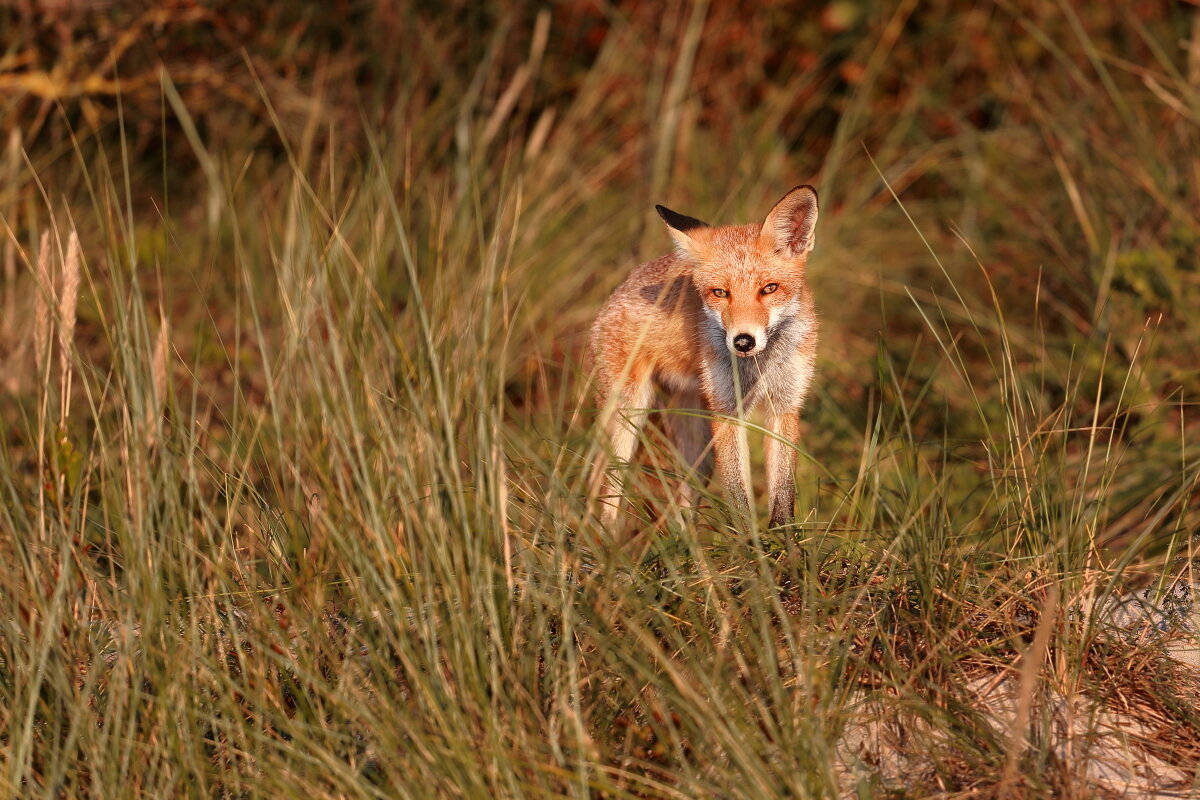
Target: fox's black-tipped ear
x=681 y=229
x=677 y=221
x=790 y=227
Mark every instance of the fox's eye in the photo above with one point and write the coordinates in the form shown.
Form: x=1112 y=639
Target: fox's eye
x=770 y=287
x=720 y=293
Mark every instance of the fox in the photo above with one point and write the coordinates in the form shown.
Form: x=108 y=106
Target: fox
x=726 y=324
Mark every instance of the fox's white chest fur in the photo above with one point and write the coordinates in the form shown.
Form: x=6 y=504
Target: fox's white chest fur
x=778 y=378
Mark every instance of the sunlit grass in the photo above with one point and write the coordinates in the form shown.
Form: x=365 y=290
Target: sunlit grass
x=295 y=501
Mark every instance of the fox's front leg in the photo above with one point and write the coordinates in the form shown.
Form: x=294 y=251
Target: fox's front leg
x=621 y=418
x=729 y=447
x=781 y=464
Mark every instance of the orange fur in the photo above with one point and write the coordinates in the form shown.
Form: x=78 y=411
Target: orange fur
x=728 y=319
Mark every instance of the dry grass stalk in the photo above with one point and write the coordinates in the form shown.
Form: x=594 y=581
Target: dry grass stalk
x=1031 y=665
x=68 y=303
x=41 y=309
x=158 y=380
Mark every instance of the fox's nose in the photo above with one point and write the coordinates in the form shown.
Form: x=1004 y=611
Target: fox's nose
x=743 y=342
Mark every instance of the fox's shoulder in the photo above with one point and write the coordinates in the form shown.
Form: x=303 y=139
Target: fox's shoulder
x=655 y=283
x=652 y=287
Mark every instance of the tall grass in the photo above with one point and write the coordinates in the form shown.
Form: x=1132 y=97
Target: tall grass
x=294 y=496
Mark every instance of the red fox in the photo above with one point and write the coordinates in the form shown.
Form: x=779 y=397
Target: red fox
x=726 y=323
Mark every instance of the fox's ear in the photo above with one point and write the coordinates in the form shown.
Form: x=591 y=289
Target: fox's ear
x=790 y=226
x=680 y=227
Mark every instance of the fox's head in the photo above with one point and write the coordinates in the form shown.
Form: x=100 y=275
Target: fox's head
x=750 y=277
